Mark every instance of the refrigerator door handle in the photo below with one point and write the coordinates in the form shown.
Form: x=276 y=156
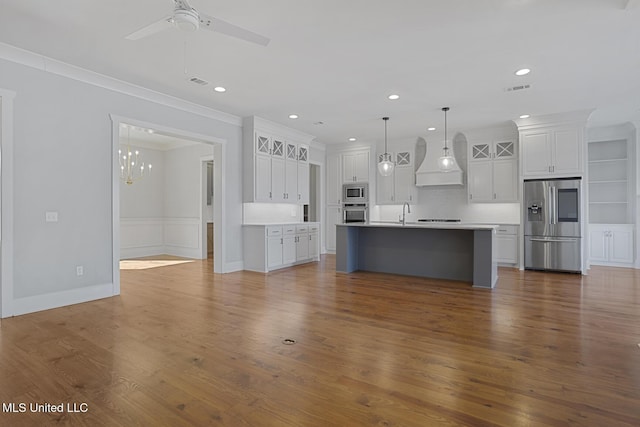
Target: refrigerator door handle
x=553 y=208
x=554 y=240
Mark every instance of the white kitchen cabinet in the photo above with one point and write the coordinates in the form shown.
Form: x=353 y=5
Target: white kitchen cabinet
x=274 y=247
x=314 y=241
x=334 y=180
x=492 y=174
x=263 y=178
x=507 y=244
x=355 y=166
x=270 y=247
x=611 y=244
x=334 y=216
x=302 y=242
x=399 y=187
x=288 y=244
x=275 y=161
x=552 y=151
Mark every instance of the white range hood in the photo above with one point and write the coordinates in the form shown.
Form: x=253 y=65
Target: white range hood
x=430 y=174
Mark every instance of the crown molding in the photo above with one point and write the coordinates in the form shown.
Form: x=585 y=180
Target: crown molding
x=580 y=116
x=278 y=129
x=53 y=66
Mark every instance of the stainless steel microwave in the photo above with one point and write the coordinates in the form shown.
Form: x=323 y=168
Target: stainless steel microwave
x=355 y=193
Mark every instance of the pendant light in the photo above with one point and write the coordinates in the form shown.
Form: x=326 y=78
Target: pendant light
x=385 y=165
x=447 y=162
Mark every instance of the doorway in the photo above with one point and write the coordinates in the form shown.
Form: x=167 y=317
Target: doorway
x=207 y=198
x=191 y=220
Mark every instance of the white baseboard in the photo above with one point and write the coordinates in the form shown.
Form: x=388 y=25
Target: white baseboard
x=61 y=299
x=183 y=252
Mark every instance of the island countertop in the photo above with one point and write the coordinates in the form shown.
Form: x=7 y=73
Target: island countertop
x=436 y=225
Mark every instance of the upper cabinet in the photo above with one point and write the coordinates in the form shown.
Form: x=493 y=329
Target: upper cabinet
x=493 y=172
x=334 y=179
x=355 y=166
x=553 y=151
x=276 y=163
x=400 y=186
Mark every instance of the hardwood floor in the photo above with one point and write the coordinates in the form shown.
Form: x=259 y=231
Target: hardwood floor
x=185 y=346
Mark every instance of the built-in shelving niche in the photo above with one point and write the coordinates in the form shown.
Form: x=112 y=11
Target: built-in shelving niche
x=609 y=185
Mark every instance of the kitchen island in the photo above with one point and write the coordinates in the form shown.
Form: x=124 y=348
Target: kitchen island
x=458 y=251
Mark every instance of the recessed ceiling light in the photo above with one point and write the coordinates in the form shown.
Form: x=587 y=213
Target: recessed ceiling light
x=431 y=129
x=352 y=139
x=523 y=72
x=525 y=116
x=394 y=96
x=293 y=116
x=149 y=130
x=220 y=89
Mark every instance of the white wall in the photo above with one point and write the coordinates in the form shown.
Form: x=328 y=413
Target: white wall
x=160 y=214
x=63 y=162
x=145 y=198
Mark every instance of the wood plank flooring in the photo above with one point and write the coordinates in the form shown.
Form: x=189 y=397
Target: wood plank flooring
x=185 y=346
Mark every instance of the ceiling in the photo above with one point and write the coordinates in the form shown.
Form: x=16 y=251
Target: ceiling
x=336 y=61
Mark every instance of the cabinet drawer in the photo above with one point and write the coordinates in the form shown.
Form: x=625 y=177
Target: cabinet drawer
x=314 y=228
x=302 y=228
x=288 y=230
x=507 y=229
x=274 y=231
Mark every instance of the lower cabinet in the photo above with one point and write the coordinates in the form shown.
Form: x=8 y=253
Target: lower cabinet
x=506 y=244
x=611 y=244
x=270 y=247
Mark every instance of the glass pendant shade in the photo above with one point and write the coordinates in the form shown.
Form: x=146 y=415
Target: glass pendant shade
x=385 y=165
x=447 y=162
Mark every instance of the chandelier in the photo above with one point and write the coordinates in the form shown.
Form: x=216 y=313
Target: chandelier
x=131 y=167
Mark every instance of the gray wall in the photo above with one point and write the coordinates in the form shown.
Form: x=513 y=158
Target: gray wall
x=62 y=162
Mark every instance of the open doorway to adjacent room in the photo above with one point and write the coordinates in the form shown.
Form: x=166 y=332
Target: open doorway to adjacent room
x=164 y=212
x=312 y=210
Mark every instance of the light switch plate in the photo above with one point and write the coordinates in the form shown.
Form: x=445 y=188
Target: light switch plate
x=51 y=216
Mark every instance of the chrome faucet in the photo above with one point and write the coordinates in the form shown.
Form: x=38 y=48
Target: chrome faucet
x=403 y=214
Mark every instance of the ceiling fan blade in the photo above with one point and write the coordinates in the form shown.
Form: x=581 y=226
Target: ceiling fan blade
x=150 y=29
x=220 y=26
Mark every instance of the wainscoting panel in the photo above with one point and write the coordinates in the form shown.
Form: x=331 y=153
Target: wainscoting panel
x=141 y=237
x=182 y=237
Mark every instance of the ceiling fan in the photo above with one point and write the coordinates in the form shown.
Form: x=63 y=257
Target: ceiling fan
x=186 y=18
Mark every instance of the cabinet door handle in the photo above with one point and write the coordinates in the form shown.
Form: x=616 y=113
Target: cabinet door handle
x=494 y=196
x=270 y=195
x=309 y=236
x=470 y=196
x=281 y=241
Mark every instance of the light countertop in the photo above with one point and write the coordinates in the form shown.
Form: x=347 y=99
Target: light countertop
x=434 y=225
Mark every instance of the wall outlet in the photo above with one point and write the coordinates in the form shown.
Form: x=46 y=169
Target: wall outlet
x=79 y=270
x=294 y=212
x=51 y=216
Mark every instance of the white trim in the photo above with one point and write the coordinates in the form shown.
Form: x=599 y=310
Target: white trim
x=7 y=307
x=50 y=65
x=60 y=299
x=219 y=152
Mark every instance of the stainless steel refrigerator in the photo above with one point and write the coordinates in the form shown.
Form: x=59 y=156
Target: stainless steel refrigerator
x=553 y=223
